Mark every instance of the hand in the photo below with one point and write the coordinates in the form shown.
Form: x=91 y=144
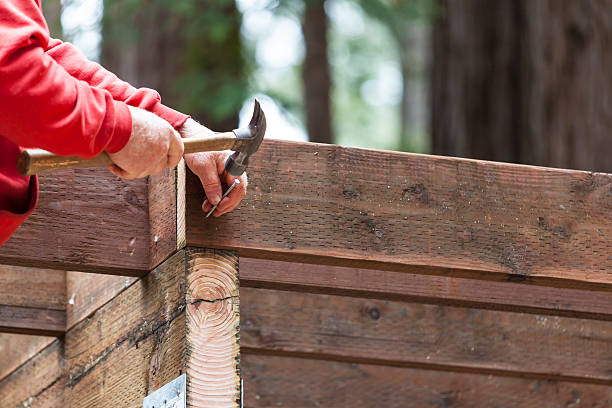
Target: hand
x=209 y=166
x=153 y=146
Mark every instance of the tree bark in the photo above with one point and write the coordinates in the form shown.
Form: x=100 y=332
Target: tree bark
x=524 y=81
x=190 y=52
x=52 y=10
x=315 y=73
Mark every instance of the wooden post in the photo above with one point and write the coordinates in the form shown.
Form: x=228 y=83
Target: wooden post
x=213 y=329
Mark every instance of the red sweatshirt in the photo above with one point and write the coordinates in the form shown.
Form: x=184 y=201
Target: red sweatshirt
x=52 y=97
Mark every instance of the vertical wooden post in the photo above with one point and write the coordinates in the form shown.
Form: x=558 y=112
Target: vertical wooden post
x=213 y=329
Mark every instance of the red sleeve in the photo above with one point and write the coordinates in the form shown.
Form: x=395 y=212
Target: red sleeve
x=94 y=74
x=41 y=104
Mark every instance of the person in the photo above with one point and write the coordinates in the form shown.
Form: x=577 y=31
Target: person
x=53 y=98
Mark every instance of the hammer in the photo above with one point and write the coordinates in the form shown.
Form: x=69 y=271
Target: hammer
x=243 y=141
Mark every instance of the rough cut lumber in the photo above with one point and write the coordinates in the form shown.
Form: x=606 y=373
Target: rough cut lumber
x=92 y=221
x=416 y=213
x=16 y=349
x=213 y=330
x=302 y=383
x=169 y=322
x=417 y=335
x=32 y=301
x=87 y=292
x=369 y=283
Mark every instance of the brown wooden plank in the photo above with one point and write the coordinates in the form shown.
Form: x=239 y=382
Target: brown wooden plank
x=32 y=301
x=416 y=213
x=391 y=285
x=407 y=334
x=88 y=292
x=213 y=329
x=303 y=383
x=89 y=220
x=37 y=383
x=16 y=349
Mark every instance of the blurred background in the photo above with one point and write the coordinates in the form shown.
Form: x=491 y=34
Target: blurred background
x=525 y=81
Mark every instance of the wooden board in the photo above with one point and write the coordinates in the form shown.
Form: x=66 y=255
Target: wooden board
x=89 y=220
x=16 y=349
x=416 y=335
x=32 y=300
x=416 y=213
x=370 y=283
x=303 y=383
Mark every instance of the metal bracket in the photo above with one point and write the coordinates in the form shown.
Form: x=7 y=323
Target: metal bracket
x=171 y=395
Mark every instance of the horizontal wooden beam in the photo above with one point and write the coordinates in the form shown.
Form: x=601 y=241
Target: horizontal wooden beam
x=427 y=336
x=32 y=301
x=420 y=214
x=89 y=220
x=389 y=285
x=17 y=349
x=296 y=382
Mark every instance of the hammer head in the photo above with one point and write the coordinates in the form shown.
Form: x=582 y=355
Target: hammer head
x=248 y=140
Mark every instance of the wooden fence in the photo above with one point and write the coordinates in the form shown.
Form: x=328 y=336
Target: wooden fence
x=367 y=279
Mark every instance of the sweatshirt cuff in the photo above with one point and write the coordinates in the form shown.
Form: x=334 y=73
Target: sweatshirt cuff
x=122 y=129
x=175 y=118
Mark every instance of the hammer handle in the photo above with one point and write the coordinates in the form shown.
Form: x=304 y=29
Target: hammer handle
x=37 y=161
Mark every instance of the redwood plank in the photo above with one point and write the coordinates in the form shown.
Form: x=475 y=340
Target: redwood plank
x=32 y=301
x=417 y=213
x=369 y=283
x=303 y=383
x=16 y=349
x=406 y=334
x=88 y=292
x=92 y=221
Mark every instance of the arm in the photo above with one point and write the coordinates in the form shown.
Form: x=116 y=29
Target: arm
x=42 y=105
x=77 y=65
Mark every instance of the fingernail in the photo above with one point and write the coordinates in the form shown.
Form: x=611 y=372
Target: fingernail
x=214 y=199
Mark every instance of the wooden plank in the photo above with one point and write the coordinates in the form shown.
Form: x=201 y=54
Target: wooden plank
x=32 y=301
x=88 y=292
x=213 y=329
x=391 y=285
x=417 y=335
x=419 y=214
x=303 y=383
x=16 y=349
x=37 y=383
x=90 y=220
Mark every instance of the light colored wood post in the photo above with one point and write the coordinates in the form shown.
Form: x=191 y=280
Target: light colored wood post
x=213 y=329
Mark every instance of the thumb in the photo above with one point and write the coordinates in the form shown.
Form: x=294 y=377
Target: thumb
x=210 y=181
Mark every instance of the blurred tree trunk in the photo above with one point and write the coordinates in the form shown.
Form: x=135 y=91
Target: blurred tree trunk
x=315 y=73
x=190 y=51
x=52 y=10
x=524 y=81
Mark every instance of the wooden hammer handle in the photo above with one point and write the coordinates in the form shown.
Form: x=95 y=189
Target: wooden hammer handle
x=37 y=161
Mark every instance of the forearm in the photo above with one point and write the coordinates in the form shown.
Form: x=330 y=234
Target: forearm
x=77 y=65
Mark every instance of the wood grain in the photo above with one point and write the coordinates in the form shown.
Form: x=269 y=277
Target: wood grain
x=303 y=383
x=89 y=220
x=16 y=349
x=213 y=329
x=407 y=334
x=87 y=292
x=374 y=284
x=416 y=213
x=32 y=301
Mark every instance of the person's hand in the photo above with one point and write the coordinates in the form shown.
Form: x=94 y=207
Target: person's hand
x=209 y=166
x=153 y=146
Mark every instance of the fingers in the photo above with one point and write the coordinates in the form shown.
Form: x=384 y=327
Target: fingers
x=118 y=171
x=175 y=151
x=234 y=198
x=207 y=172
